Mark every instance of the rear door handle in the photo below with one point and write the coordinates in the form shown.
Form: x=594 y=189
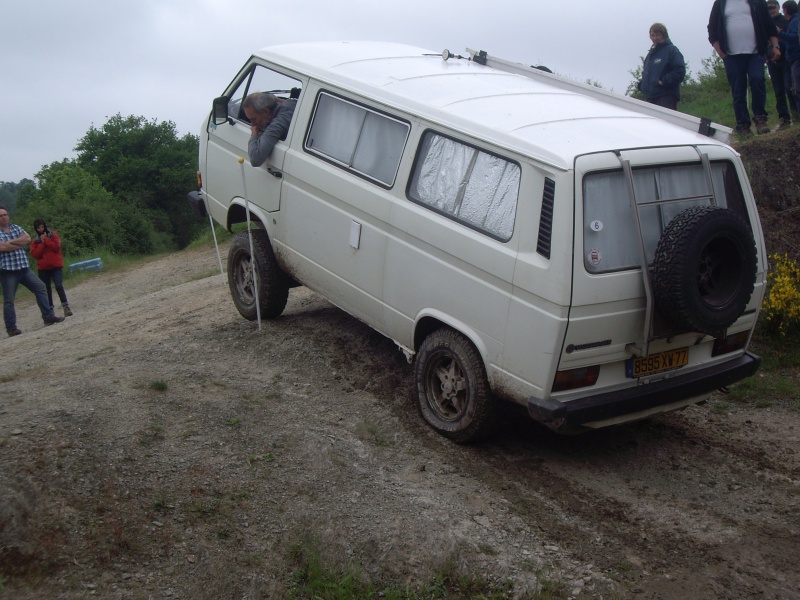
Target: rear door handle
x=274 y=173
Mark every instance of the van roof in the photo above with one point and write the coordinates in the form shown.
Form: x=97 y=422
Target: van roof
x=530 y=116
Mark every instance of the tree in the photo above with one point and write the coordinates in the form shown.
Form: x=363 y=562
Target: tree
x=633 y=86
x=9 y=193
x=144 y=164
x=87 y=216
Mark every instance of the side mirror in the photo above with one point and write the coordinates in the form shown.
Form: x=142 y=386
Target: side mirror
x=220 y=111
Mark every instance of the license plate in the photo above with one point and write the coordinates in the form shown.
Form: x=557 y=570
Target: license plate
x=640 y=366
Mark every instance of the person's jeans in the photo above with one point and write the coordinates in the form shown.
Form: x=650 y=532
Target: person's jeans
x=742 y=69
x=54 y=276
x=10 y=280
x=670 y=102
x=780 y=74
x=795 y=68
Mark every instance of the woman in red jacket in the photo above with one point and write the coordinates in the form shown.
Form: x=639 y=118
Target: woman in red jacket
x=46 y=249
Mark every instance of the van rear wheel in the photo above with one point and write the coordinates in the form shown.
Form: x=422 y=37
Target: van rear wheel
x=453 y=392
x=273 y=285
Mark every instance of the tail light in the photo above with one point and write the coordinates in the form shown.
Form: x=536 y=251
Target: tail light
x=576 y=378
x=732 y=343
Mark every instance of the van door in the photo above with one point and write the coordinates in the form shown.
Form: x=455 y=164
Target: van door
x=337 y=199
x=228 y=141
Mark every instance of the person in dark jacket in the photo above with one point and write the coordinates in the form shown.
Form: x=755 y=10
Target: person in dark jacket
x=791 y=37
x=663 y=71
x=744 y=36
x=46 y=249
x=779 y=71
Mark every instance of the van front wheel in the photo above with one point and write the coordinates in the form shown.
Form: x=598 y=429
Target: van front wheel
x=273 y=285
x=453 y=393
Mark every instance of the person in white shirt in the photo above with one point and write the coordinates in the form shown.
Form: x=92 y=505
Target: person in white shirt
x=744 y=35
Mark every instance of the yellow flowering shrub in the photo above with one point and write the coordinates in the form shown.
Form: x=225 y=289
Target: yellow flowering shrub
x=781 y=306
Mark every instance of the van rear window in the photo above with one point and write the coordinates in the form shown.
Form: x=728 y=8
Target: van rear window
x=357 y=138
x=473 y=187
x=610 y=237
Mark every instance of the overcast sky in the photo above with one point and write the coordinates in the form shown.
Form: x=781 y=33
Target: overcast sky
x=66 y=65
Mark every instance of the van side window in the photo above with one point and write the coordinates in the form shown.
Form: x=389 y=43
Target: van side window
x=609 y=231
x=471 y=186
x=261 y=79
x=357 y=138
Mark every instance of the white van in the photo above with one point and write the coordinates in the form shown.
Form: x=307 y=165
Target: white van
x=519 y=236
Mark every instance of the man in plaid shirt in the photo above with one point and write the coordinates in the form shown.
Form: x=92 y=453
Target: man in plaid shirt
x=14 y=270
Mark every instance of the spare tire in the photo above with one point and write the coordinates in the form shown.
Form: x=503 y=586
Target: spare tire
x=704 y=269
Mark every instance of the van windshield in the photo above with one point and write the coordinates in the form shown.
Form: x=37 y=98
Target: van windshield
x=610 y=237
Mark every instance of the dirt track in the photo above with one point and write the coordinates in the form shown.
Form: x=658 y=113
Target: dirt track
x=306 y=432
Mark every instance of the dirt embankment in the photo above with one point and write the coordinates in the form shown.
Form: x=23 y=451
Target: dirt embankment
x=157 y=445
x=772 y=166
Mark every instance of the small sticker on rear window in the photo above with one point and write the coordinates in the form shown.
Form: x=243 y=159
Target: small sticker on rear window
x=594 y=257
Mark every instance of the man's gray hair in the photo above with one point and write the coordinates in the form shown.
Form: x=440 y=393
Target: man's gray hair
x=259 y=101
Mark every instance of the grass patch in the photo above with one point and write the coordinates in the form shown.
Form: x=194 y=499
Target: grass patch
x=158 y=385
x=205 y=237
x=162 y=504
x=9 y=377
x=371 y=433
x=204 y=506
x=316 y=576
x=151 y=435
x=721 y=407
x=254 y=458
x=777 y=382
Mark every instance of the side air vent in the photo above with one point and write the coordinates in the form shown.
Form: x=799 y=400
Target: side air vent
x=546 y=218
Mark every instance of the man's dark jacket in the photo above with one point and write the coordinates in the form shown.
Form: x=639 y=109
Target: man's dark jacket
x=663 y=63
x=762 y=23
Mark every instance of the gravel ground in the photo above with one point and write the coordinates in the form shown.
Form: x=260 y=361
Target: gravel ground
x=157 y=445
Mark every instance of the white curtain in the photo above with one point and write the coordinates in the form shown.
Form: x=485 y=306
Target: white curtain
x=365 y=141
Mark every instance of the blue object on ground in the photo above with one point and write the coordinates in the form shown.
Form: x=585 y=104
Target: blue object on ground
x=93 y=264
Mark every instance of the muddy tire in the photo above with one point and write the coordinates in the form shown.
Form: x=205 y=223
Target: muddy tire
x=273 y=285
x=453 y=394
x=704 y=269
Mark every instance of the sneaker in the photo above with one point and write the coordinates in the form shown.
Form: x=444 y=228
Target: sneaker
x=52 y=320
x=784 y=123
x=13 y=331
x=67 y=311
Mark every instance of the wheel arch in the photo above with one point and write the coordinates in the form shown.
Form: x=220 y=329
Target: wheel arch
x=237 y=213
x=429 y=321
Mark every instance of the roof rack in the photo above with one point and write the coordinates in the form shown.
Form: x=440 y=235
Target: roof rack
x=698 y=125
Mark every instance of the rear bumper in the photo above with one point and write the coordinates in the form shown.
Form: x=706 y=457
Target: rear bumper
x=640 y=398
x=197 y=204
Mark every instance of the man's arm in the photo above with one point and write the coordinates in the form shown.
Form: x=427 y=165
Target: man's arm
x=713 y=29
x=260 y=147
x=16 y=243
